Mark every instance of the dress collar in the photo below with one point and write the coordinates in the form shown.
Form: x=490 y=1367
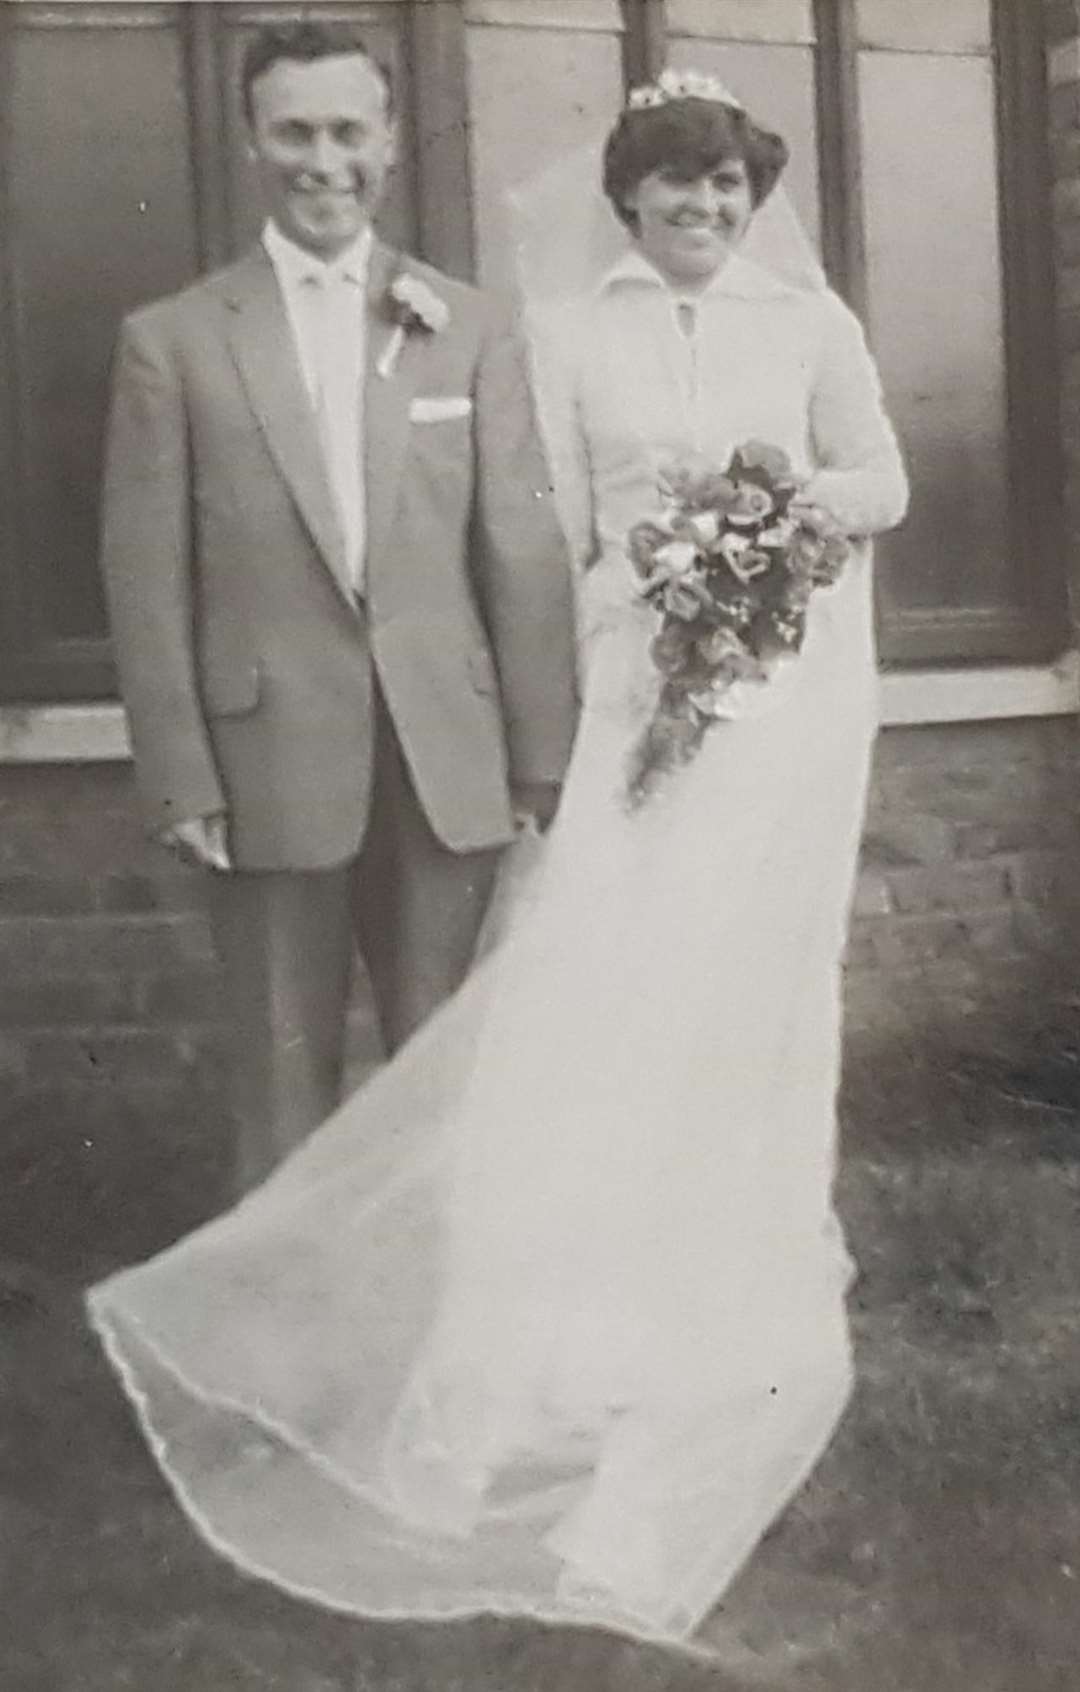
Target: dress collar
x=739 y=278
x=298 y=267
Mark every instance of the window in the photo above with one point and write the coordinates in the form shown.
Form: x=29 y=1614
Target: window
x=918 y=130
x=122 y=175
x=919 y=140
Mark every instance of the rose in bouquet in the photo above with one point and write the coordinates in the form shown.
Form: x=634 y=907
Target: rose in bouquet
x=729 y=565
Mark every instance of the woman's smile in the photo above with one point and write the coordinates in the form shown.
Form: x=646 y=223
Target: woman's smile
x=688 y=229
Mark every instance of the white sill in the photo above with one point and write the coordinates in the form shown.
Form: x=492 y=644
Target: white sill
x=63 y=734
x=91 y=734
x=981 y=693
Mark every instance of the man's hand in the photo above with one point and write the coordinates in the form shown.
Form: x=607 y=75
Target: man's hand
x=535 y=802
x=201 y=840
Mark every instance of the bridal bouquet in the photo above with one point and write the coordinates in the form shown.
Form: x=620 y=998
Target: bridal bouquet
x=729 y=564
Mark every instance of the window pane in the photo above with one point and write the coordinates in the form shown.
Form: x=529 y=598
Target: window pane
x=602 y=15
x=742 y=20
x=939 y=26
x=776 y=83
x=536 y=94
x=103 y=218
x=934 y=268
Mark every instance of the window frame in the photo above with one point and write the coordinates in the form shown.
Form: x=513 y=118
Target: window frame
x=37 y=667
x=1038 y=630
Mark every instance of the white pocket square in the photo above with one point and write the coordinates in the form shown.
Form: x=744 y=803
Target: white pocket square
x=439 y=410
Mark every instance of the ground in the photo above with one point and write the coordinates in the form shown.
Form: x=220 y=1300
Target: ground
x=937 y=1549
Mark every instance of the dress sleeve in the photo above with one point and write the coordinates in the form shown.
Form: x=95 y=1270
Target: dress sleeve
x=520 y=563
x=553 y=335
x=602 y=585
x=861 y=479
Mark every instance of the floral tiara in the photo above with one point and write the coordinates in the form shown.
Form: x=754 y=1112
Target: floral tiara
x=681 y=85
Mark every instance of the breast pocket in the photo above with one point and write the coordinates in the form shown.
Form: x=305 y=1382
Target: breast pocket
x=440 y=467
x=451 y=434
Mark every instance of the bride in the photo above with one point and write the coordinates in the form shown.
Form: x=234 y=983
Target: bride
x=549 y=1318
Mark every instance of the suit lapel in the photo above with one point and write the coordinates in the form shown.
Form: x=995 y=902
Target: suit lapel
x=386 y=406
x=261 y=343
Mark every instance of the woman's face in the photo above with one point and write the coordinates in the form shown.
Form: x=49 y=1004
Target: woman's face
x=688 y=229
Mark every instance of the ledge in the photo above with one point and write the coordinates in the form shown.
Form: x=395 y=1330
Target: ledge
x=981 y=693
x=63 y=734
x=569 y=17
x=92 y=734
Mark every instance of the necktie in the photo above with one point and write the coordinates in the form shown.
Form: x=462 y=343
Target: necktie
x=338 y=304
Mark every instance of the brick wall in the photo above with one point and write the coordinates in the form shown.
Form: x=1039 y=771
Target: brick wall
x=106 y=967
x=111 y=1014
x=107 y=970
x=109 y=998
x=1063 y=66
x=108 y=987
x=109 y=1025
x=971 y=861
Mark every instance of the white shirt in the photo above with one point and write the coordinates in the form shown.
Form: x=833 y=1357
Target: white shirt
x=326 y=307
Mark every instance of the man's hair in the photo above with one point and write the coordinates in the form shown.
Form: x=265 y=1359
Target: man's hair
x=304 y=42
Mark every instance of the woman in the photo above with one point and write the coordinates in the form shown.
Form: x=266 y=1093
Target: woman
x=549 y=1319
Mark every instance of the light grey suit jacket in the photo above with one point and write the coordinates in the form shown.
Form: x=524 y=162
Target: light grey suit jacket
x=246 y=664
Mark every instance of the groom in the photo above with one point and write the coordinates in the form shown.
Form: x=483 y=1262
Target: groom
x=339 y=596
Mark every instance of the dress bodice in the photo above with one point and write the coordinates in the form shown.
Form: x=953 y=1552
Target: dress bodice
x=652 y=395
x=638 y=390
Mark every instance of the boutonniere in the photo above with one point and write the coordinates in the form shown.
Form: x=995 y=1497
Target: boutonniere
x=413 y=308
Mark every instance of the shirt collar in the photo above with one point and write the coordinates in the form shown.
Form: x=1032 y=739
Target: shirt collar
x=738 y=278
x=297 y=267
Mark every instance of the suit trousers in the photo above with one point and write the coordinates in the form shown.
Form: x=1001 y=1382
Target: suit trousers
x=287 y=940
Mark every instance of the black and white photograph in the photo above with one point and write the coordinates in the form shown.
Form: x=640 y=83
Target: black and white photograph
x=540 y=846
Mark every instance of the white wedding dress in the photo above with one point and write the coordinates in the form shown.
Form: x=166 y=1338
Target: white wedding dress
x=549 y=1318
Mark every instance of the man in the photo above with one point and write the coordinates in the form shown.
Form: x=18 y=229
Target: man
x=339 y=596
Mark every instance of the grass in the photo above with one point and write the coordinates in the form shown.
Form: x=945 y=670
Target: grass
x=937 y=1547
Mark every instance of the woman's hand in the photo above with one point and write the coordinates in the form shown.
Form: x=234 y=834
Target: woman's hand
x=813 y=512
x=805 y=511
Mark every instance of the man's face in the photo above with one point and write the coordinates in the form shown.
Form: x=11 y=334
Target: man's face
x=323 y=145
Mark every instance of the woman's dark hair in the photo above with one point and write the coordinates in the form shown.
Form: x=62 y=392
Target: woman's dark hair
x=687 y=138
x=306 y=41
